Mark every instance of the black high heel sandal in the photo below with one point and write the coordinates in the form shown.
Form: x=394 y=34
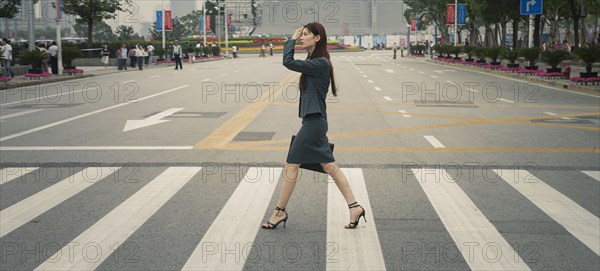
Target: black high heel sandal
x=354 y=224
x=271 y=226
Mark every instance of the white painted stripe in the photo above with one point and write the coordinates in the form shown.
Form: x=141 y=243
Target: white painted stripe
x=552 y=114
x=48 y=96
x=10 y=173
x=87 y=114
x=237 y=224
x=24 y=211
x=474 y=90
x=352 y=249
x=154 y=76
x=433 y=76
x=93 y=148
x=378 y=88
x=505 y=100
x=19 y=114
x=578 y=221
x=476 y=237
x=370 y=81
x=130 y=81
x=387 y=98
x=120 y=223
x=593 y=174
x=434 y=141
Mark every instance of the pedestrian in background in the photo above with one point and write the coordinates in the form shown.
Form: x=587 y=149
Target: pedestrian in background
x=235 y=51
x=42 y=48
x=177 y=53
x=132 y=58
x=53 y=51
x=150 y=54
x=122 y=58
x=7 y=58
x=139 y=55
x=311 y=144
x=105 y=55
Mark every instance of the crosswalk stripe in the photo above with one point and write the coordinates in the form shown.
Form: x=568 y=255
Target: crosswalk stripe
x=120 y=223
x=593 y=174
x=582 y=224
x=237 y=224
x=356 y=249
x=11 y=173
x=486 y=248
x=35 y=205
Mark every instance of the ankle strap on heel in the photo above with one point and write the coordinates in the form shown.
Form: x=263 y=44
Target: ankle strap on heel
x=353 y=205
x=279 y=209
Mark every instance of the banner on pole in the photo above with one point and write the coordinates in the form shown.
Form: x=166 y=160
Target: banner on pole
x=461 y=14
x=450 y=14
x=58 y=9
x=159 y=18
x=168 y=21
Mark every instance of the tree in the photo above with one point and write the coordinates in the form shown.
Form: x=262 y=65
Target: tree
x=191 y=23
x=177 y=32
x=435 y=8
x=102 y=32
x=93 y=12
x=125 y=32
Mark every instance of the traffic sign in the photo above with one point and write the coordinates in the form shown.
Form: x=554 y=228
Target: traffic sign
x=531 y=7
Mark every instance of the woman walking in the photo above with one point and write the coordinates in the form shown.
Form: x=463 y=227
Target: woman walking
x=311 y=144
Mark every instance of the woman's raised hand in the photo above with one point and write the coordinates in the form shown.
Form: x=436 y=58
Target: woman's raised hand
x=298 y=33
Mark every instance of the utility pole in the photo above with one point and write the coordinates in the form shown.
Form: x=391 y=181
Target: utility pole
x=455 y=22
x=204 y=18
x=58 y=37
x=163 y=24
x=30 y=24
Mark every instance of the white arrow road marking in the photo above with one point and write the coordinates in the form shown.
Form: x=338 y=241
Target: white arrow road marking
x=152 y=120
x=19 y=114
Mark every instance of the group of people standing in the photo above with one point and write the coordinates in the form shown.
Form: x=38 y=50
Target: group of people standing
x=140 y=55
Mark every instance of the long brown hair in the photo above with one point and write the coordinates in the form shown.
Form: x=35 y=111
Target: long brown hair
x=320 y=51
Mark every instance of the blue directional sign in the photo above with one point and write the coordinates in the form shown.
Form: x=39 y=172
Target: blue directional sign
x=531 y=7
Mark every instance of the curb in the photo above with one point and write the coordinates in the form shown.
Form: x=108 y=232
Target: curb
x=6 y=86
x=556 y=84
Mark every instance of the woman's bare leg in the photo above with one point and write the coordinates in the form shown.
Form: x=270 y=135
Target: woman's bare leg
x=342 y=184
x=290 y=175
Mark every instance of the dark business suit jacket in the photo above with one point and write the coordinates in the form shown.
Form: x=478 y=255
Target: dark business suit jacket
x=316 y=85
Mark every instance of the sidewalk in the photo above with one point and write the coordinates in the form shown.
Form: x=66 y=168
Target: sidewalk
x=88 y=71
x=558 y=83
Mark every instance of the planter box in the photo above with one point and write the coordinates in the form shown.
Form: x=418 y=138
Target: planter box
x=588 y=74
x=551 y=70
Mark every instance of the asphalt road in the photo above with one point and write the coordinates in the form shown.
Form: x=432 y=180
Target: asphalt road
x=163 y=170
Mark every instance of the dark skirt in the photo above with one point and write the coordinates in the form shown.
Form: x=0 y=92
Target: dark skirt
x=311 y=144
